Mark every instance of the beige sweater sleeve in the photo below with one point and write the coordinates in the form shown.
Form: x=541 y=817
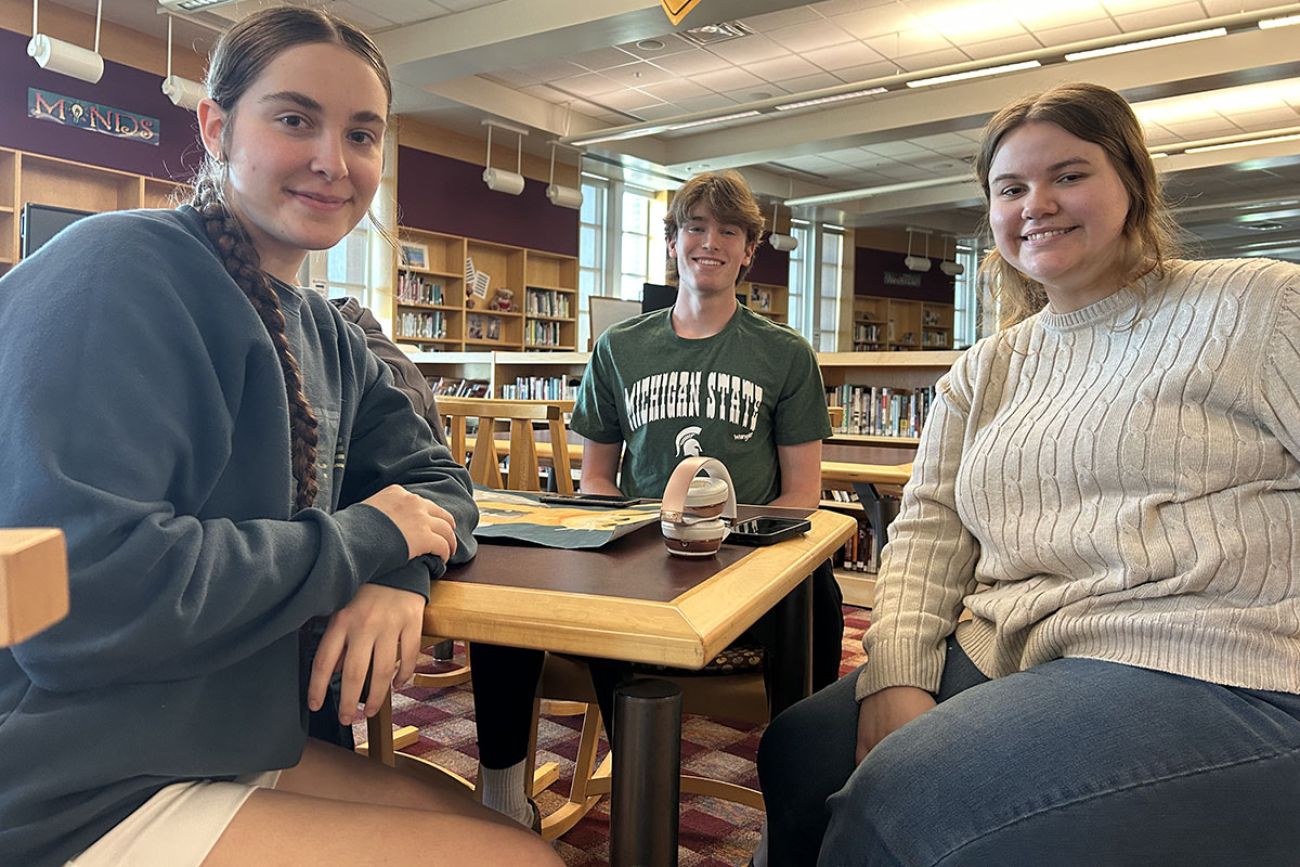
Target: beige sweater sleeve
x=928 y=565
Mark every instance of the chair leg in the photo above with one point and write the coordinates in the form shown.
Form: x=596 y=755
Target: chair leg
x=443 y=679
x=586 y=790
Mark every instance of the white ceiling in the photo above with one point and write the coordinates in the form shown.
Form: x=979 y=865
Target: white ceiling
x=567 y=68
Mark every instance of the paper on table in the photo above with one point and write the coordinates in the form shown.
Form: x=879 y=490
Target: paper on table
x=519 y=516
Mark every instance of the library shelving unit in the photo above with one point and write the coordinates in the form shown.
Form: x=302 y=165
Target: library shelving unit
x=895 y=324
x=769 y=299
x=28 y=177
x=437 y=310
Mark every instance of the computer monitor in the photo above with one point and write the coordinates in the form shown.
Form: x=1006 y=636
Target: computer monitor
x=656 y=296
x=40 y=223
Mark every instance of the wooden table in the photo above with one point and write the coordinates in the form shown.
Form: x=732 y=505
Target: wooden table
x=631 y=600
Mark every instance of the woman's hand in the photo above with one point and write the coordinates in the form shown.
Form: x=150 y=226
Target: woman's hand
x=882 y=712
x=427 y=527
x=378 y=631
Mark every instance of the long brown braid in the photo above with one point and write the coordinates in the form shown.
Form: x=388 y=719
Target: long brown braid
x=240 y=56
x=243 y=264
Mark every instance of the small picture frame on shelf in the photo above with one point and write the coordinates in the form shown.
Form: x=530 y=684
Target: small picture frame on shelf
x=413 y=255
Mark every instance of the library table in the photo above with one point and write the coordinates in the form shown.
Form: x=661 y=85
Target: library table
x=631 y=600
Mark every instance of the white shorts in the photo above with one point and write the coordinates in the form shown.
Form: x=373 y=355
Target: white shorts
x=177 y=827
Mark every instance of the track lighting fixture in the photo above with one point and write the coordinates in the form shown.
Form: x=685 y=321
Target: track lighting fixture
x=500 y=180
x=184 y=92
x=560 y=195
x=55 y=55
x=917 y=263
x=950 y=265
x=784 y=243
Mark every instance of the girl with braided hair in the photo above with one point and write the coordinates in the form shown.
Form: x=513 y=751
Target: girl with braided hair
x=228 y=463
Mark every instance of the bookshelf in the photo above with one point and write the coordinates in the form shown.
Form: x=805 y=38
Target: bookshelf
x=894 y=324
x=769 y=299
x=440 y=305
x=29 y=177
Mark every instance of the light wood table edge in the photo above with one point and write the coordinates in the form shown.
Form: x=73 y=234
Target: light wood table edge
x=33 y=582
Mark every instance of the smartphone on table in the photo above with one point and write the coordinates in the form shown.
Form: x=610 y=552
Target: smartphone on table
x=767 y=529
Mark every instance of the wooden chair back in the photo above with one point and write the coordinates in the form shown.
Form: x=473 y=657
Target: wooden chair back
x=522 y=470
x=33 y=582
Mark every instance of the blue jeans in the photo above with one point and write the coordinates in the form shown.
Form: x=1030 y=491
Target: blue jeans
x=1073 y=762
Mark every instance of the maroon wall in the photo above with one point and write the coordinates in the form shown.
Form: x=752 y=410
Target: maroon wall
x=871 y=266
x=770 y=266
x=178 y=150
x=441 y=194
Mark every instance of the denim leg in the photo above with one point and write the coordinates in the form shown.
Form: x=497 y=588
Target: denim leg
x=1080 y=762
x=806 y=755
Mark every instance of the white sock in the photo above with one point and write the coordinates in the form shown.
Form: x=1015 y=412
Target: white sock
x=760 y=854
x=502 y=789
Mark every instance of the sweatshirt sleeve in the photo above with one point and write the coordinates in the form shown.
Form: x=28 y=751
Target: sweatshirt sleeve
x=391 y=445
x=928 y=565
x=120 y=394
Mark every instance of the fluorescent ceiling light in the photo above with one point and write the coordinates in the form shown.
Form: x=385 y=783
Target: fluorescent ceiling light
x=1242 y=144
x=839 y=97
x=974 y=73
x=1147 y=43
x=705 y=121
x=869 y=192
x=191 y=5
x=1284 y=21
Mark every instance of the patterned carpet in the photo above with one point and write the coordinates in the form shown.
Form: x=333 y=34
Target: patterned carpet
x=713 y=833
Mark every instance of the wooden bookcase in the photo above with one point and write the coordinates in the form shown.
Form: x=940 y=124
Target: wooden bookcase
x=437 y=310
x=894 y=324
x=769 y=299
x=35 y=178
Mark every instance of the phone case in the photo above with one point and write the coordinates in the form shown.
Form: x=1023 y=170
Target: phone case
x=798 y=527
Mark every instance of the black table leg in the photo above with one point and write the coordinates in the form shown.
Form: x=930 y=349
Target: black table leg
x=647 y=774
x=791 y=665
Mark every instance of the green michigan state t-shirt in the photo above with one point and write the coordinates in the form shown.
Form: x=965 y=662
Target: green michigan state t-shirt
x=734 y=396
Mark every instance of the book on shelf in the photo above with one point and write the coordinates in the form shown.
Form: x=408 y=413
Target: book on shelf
x=549 y=302
x=415 y=289
x=541 y=388
x=543 y=334
x=871 y=410
x=427 y=325
x=457 y=387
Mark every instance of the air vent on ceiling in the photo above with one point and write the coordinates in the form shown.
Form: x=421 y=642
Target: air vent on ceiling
x=712 y=34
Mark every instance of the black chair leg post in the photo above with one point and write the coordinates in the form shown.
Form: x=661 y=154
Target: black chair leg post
x=791 y=662
x=647 y=774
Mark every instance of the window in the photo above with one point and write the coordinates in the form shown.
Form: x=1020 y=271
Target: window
x=592 y=222
x=342 y=270
x=799 y=278
x=830 y=270
x=965 y=323
x=642 y=250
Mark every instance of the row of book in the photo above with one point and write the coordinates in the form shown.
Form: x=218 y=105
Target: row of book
x=859 y=553
x=430 y=326
x=541 y=388
x=457 y=387
x=415 y=289
x=544 y=334
x=548 y=302
x=873 y=410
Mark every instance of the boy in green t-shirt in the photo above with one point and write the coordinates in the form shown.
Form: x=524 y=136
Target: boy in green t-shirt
x=706 y=377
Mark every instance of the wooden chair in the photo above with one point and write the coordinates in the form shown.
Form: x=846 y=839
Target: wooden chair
x=33 y=582
x=522 y=473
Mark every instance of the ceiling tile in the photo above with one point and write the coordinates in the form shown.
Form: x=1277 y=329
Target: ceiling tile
x=829 y=8
x=692 y=62
x=1163 y=16
x=657 y=112
x=877 y=22
x=977 y=22
x=708 y=102
x=591 y=84
x=672 y=44
x=931 y=60
x=895 y=149
x=1000 y=47
x=604 y=58
x=839 y=57
x=1229 y=7
x=1056 y=36
x=811 y=36
x=789 y=66
x=751 y=49
x=944 y=142
x=1208 y=127
x=1269 y=119
x=676 y=90
x=462 y=5
x=915 y=41
x=1126 y=7
x=551 y=69
x=543 y=92
x=408 y=11
x=867 y=71
x=1061 y=13
x=805 y=83
x=626 y=100
x=745 y=95
x=782 y=18
x=359 y=15
x=725 y=80
x=512 y=77
x=637 y=74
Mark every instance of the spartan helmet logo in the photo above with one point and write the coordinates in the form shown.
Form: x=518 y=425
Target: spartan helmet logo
x=687 y=444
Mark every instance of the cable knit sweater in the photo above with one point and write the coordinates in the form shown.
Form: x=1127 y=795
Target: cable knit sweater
x=1120 y=483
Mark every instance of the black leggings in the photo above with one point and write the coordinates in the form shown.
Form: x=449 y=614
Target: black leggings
x=505 y=678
